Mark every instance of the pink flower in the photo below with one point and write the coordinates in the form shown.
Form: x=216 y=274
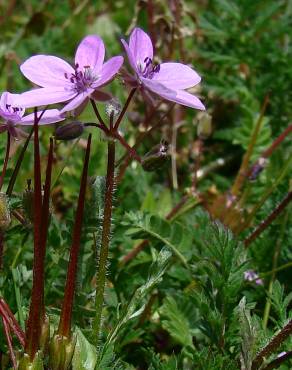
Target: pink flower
x=251 y=275
x=168 y=80
x=60 y=82
x=13 y=116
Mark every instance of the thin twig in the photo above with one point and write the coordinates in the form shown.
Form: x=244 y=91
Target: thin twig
x=272 y=216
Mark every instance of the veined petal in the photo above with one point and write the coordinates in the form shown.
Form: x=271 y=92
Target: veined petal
x=176 y=76
x=178 y=96
x=109 y=70
x=90 y=53
x=130 y=56
x=76 y=102
x=47 y=70
x=140 y=45
x=50 y=116
x=44 y=96
x=5 y=114
x=4 y=100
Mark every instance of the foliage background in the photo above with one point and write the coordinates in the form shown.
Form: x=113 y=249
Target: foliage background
x=242 y=50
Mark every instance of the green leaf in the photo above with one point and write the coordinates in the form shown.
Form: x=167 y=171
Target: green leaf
x=173 y=235
x=176 y=323
x=85 y=356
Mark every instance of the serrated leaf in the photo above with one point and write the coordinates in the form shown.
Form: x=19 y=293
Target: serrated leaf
x=173 y=235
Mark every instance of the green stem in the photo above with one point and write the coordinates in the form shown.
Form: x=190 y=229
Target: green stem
x=236 y=188
x=275 y=262
x=280 y=268
x=105 y=240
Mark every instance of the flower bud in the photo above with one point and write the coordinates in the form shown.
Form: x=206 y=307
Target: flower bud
x=113 y=107
x=61 y=351
x=26 y=364
x=204 y=128
x=5 y=218
x=156 y=157
x=69 y=131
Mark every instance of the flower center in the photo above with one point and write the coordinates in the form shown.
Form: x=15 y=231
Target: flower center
x=15 y=110
x=82 y=80
x=149 y=68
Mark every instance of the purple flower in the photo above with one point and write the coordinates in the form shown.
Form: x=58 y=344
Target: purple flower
x=13 y=116
x=60 y=82
x=168 y=80
x=251 y=275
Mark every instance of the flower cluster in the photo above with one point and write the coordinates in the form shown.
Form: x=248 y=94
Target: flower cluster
x=59 y=82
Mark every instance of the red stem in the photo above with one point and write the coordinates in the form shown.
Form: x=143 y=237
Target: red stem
x=66 y=313
x=36 y=306
x=8 y=315
x=263 y=225
x=5 y=160
x=119 y=120
x=9 y=342
x=268 y=152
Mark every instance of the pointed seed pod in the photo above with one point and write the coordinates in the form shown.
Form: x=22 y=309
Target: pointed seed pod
x=156 y=158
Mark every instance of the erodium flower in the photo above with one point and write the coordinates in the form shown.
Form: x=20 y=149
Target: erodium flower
x=60 y=82
x=168 y=80
x=13 y=116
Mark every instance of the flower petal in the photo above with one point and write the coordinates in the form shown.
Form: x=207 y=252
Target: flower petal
x=46 y=70
x=9 y=116
x=90 y=53
x=109 y=70
x=130 y=56
x=76 y=102
x=140 y=45
x=176 y=76
x=44 y=96
x=178 y=96
x=50 y=116
x=4 y=100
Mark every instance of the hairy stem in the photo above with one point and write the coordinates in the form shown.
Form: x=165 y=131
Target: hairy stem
x=105 y=240
x=67 y=307
x=272 y=346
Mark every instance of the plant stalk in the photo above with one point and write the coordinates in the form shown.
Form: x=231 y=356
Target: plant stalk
x=6 y=158
x=67 y=307
x=272 y=346
x=105 y=239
